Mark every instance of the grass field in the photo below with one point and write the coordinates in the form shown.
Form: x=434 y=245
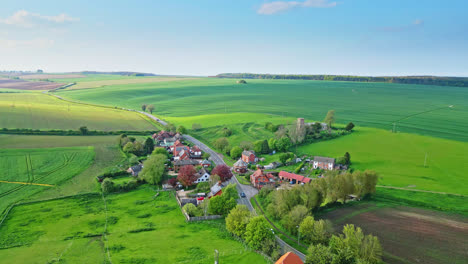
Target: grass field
x=415 y=108
x=408 y=235
x=140 y=229
x=399 y=158
x=40 y=111
x=24 y=172
x=107 y=156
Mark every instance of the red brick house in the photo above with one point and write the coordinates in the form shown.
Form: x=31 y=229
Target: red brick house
x=240 y=166
x=289 y=258
x=259 y=179
x=249 y=156
x=293 y=178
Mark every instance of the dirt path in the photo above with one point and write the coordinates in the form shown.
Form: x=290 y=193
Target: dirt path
x=29 y=183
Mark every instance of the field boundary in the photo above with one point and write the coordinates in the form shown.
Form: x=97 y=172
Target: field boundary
x=29 y=183
x=417 y=190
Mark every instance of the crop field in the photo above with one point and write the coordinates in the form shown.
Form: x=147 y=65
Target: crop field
x=24 y=172
x=103 y=80
x=28 y=85
x=107 y=156
x=140 y=229
x=40 y=111
x=51 y=76
x=408 y=235
x=413 y=108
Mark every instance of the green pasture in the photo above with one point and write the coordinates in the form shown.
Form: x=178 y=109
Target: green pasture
x=141 y=228
x=399 y=158
x=40 y=111
x=50 y=166
x=418 y=109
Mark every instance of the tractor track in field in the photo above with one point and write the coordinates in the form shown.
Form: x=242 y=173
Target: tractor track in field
x=62 y=166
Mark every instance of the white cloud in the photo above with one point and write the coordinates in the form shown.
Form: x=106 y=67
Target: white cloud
x=279 y=6
x=23 y=18
x=36 y=43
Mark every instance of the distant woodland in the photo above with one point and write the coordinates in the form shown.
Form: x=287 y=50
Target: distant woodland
x=426 y=80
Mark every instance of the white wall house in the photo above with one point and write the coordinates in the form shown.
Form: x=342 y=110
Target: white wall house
x=204 y=177
x=323 y=163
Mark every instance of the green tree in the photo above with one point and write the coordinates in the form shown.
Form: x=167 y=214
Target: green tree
x=265 y=147
x=330 y=118
x=236 y=152
x=138 y=148
x=143 y=107
x=149 y=146
x=272 y=144
x=227 y=132
x=371 y=250
x=349 y=126
x=191 y=209
x=297 y=133
x=162 y=151
x=221 y=205
x=283 y=144
x=319 y=254
x=370 y=181
x=129 y=148
x=221 y=143
x=206 y=155
x=171 y=127
x=294 y=218
x=107 y=185
x=258 y=146
x=84 y=130
x=237 y=220
x=181 y=130
x=347 y=158
x=246 y=145
x=153 y=169
x=258 y=231
x=123 y=139
x=150 y=108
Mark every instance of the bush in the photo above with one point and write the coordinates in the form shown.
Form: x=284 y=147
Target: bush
x=107 y=185
x=298 y=168
x=191 y=209
x=236 y=152
x=227 y=132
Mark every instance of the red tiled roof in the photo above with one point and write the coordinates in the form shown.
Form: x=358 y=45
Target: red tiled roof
x=289 y=258
x=292 y=176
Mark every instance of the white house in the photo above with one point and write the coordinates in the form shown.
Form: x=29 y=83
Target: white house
x=323 y=163
x=202 y=176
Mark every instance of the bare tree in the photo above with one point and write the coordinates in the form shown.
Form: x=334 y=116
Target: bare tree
x=297 y=133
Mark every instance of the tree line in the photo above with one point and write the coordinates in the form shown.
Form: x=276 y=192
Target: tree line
x=424 y=80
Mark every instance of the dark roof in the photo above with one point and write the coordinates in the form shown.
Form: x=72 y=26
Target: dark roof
x=137 y=168
x=240 y=163
x=324 y=159
x=186 y=162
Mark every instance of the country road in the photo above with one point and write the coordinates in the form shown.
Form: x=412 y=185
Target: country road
x=241 y=188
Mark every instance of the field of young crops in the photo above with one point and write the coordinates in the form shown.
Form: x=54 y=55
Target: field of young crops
x=141 y=228
x=40 y=111
x=24 y=172
x=418 y=109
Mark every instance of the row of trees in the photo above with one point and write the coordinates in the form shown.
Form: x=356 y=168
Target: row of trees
x=146 y=107
x=291 y=206
x=255 y=230
x=352 y=246
x=187 y=174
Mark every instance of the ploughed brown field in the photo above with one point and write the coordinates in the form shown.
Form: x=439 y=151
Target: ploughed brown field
x=51 y=76
x=26 y=85
x=409 y=235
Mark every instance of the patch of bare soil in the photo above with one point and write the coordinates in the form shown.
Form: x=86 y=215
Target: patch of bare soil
x=26 y=85
x=411 y=234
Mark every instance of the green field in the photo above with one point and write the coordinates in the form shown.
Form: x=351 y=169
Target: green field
x=25 y=172
x=140 y=229
x=40 y=111
x=107 y=156
x=415 y=108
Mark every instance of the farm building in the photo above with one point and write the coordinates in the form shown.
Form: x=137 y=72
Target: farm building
x=293 y=178
x=323 y=163
x=260 y=179
x=249 y=156
x=240 y=166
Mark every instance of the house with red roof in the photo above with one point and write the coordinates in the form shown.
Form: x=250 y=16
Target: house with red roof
x=195 y=152
x=260 y=179
x=293 y=178
x=289 y=258
x=249 y=156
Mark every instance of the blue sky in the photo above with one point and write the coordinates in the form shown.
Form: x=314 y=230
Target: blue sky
x=206 y=37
